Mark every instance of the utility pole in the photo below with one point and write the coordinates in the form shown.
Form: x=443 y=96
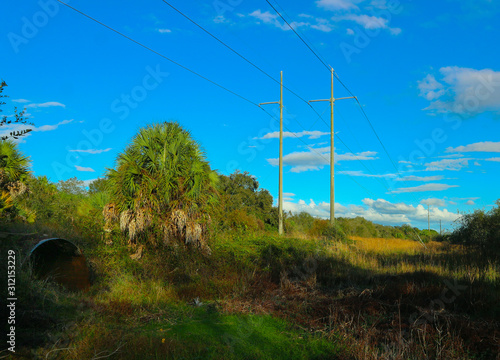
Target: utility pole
x=429 y=222
x=428 y=218
x=440 y=229
x=332 y=150
x=280 y=195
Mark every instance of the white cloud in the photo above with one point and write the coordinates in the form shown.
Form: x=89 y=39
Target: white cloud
x=368 y=22
x=422 y=188
x=430 y=88
x=7 y=129
x=362 y=174
x=421 y=178
x=322 y=27
x=44 y=128
x=81 y=168
x=164 y=31
x=462 y=90
x=385 y=207
x=22 y=101
x=381 y=211
x=449 y=156
x=338 y=4
x=470 y=202
x=395 y=31
x=316 y=158
x=448 y=164
x=467 y=198
x=433 y=202
x=265 y=17
x=272 y=19
x=497 y=159
x=321 y=210
x=365 y=155
x=485 y=146
x=92 y=151
x=46 y=104
x=220 y=19
x=86 y=183
x=288 y=134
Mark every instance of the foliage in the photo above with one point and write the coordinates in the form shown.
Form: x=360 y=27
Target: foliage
x=42 y=199
x=299 y=223
x=19 y=118
x=162 y=181
x=13 y=171
x=98 y=186
x=13 y=164
x=323 y=229
x=72 y=186
x=240 y=194
x=480 y=230
x=306 y=224
x=65 y=204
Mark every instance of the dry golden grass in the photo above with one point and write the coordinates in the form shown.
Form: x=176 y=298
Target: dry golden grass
x=385 y=246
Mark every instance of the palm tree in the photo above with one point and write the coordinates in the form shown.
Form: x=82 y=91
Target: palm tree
x=162 y=180
x=13 y=168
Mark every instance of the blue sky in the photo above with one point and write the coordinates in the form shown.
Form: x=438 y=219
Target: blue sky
x=425 y=72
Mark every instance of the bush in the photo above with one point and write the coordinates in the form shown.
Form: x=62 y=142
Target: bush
x=480 y=230
x=241 y=221
x=323 y=229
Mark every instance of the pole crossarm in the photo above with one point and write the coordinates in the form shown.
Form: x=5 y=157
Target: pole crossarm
x=343 y=98
x=268 y=103
x=310 y=101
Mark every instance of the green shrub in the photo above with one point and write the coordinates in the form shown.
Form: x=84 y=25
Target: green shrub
x=480 y=230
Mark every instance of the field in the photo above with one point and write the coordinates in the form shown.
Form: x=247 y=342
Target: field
x=259 y=296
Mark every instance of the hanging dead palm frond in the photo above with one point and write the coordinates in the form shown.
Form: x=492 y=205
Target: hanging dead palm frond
x=109 y=212
x=125 y=219
x=17 y=189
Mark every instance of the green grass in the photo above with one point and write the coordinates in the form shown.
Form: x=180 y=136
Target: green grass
x=268 y=297
x=216 y=336
x=199 y=333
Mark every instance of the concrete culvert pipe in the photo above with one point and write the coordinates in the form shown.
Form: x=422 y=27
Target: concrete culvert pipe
x=61 y=261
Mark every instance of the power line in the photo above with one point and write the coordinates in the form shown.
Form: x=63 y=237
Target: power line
x=303 y=35
x=188 y=69
x=235 y=52
x=195 y=73
x=300 y=37
x=253 y=64
x=349 y=91
x=157 y=53
x=250 y=62
x=340 y=81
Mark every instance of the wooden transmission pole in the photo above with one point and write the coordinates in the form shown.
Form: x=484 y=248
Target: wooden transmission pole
x=332 y=150
x=280 y=196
